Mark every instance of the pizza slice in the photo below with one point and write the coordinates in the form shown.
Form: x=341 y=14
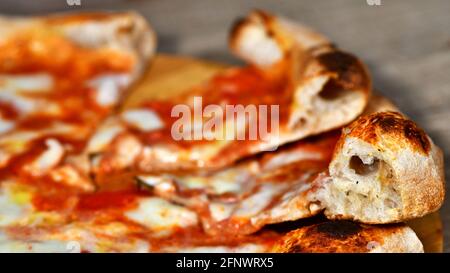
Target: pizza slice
x=58 y=220
x=34 y=220
x=49 y=203
x=330 y=87
x=60 y=76
x=187 y=212
x=54 y=220
x=384 y=169
x=121 y=222
x=308 y=88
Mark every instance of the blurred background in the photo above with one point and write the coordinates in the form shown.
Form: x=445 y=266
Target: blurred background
x=406 y=43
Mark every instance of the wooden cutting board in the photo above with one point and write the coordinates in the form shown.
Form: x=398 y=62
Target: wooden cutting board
x=172 y=75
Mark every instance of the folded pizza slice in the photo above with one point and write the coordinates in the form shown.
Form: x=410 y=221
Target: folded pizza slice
x=307 y=87
x=384 y=169
x=227 y=211
x=330 y=87
x=60 y=76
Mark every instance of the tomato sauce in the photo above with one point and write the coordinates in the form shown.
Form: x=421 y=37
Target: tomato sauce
x=108 y=200
x=238 y=86
x=8 y=111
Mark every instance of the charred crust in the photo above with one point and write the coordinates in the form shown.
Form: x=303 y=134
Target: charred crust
x=339 y=229
x=296 y=248
x=336 y=236
x=236 y=28
x=257 y=16
x=369 y=128
x=350 y=72
x=417 y=135
x=129 y=28
x=337 y=61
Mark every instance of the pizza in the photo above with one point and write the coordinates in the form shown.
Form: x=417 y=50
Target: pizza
x=308 y=177
x=78 y=174
x=238 y=209
x=316 y=86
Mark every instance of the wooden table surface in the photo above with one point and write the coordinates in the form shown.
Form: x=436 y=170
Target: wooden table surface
x=406 y=44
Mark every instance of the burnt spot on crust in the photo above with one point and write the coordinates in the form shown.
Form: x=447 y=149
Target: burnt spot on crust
x=128 y=28
x=339 y=230
x=371 y=127
x=255 y=17
x=388 y=122
x=417 y=135
x=336 y=236
x=351 y=73
x=236 y=28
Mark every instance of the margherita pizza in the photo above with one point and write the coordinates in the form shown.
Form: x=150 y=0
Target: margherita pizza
x=76 y=174
x=314 y=86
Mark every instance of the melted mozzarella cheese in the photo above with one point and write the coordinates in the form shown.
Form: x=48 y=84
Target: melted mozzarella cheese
x=48 y=159
x=95 y=237
x=203 y=152
x=6 y=126
x=162 y=184
x=221 y=211
x=17 y=141
x=161 y=215
x=26 y=105
x=104 y=136
x=143 y=119
x=13 y=143
x=23 y=105
x=109 y=88
x=27 y=83
x=69 y=175
x=8 y=245
x=283 y=159
x=228 y=182
x=258 y=201
x=161 y=153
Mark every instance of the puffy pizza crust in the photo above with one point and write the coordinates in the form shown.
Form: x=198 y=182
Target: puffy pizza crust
x=331 y=87
x=385 y=169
